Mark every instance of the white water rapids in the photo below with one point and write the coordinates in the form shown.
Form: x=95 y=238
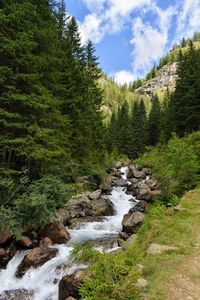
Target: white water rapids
x=44 y=280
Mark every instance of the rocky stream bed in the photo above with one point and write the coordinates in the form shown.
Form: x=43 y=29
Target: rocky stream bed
x=38 y=265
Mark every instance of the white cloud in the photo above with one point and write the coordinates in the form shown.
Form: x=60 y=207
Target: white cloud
x=107 y=17
x=188 y=18
x=94 y=6
x=150 y=36
x=123 y=77
x=149 y=42
x=91 y=29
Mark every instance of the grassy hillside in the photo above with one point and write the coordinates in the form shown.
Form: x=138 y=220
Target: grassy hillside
x=115 y=276
x=114 y=96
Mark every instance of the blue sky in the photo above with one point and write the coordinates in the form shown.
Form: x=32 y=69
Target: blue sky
x=131 y=35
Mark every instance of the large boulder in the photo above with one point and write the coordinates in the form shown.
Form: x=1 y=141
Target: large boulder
x=132 y=187
x=106 y=185
x=133 y=172
x=69 y=285
x=132 y=221
x=24 y=242
x=147 y=171
x=94 y=195
x=5 y=236
x=144 y=192
x=79 y=206
x=63 y=216
x=139 y=174
x=103 y=207
x=86 y=206
x=36 y=258
x=140 y=206
x=152 y=184
x=56 y=232
x=120 y=182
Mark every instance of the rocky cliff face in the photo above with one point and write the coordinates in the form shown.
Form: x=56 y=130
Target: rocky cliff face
x=165 y=78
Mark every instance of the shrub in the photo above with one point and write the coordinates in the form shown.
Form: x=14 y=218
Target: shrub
x=40 y=201
x=175 y=165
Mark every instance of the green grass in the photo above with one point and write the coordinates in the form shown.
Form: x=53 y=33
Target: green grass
x=114 y=275
x=170 y=228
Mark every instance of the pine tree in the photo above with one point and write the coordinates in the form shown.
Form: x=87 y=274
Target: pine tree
x=123 y=118
x=93 y=101
x=111 y=133
x=137 y=130
x=154 y=122
x=183 y=43
x=32 y=130
x=186 y=99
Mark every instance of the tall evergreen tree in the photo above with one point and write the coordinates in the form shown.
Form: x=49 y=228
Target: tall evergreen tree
x=32 y=129
x=137 y=130
x=186 y=99
x=154 y=122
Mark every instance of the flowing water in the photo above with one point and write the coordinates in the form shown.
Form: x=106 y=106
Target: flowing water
x=43 y=282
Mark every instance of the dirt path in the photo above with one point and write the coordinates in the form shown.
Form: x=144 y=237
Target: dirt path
x=185 y=283
x=178 y=277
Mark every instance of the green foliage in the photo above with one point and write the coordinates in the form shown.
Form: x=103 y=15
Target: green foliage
x=154 y=122
x=124 y=131
x=186 y=99
x=50 y=100
x=175 y=165
x=33 y=204
x=137 y=124
x=109 y=275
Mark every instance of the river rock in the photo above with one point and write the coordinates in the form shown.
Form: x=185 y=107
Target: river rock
x=144 y=192
x=120 y=182
x=134 y=173
x=20 y=294
x=56 y=232
x=24 y=242
x=147 y=171
x=63 y=216
x=2 y=252
x=132 y=239
x=87 y=206
x=140 y=206
x=94 y=195
x=79 y=206
x=46 y=242
x=118 y=165
x=103 y=207
x=123 y=235
x=36 y=258
x=139 y=174
x=5 y=236
x=132 y=221
x=152 y=184
x=106 y=185
x=69 y=285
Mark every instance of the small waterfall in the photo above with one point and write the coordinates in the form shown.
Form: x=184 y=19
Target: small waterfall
x=44 y=280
